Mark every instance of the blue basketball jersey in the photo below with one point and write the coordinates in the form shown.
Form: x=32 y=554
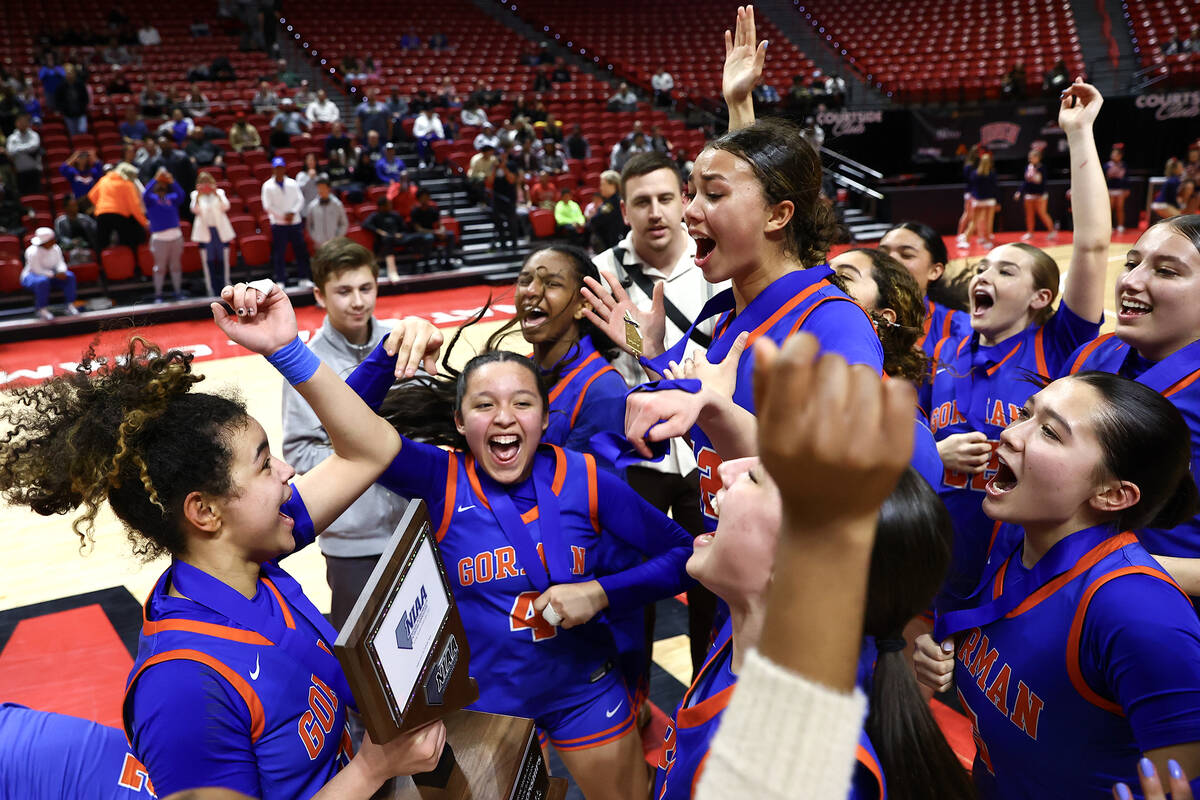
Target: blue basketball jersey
x=941 y=322
x=1060 y=667
x=588 y=398
x=696 y=719
x=868 y=782
x=505 y=545
x=1175 y=378
x=236 y=692
x=802 y=300
x=978 y=388
x=48 y=756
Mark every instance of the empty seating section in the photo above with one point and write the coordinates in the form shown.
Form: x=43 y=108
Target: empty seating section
x=948 y=50
x=1153 y=24
x=639 y=38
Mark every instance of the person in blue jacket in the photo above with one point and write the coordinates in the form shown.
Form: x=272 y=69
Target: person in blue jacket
x=522 y=527
x=1059 y=654
x=163 y=198
x=235 y=684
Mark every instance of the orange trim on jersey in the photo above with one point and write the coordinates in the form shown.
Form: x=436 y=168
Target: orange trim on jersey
x=566 y=743
x=1087 y=350
x=998 y=586
x=1073 y=668
x=995 y=532
x=258 y=717
x=1182 y=384
x=583 y=392
x=992 y=369
x=864 y=757
x=593 y=491
x=451 y=492
x=820 y=303
x=948 y=322
x=1089 y=560
x=151 y=627
x=1039 y=351
x=782 y=312
x=473 y=478
x=560 y=469
x=928 y=323
x=702 y=712
x=565 y=381
x=287 y=612
x=937 y=354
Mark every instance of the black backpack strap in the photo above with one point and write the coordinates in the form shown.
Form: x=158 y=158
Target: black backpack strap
x=634 y=275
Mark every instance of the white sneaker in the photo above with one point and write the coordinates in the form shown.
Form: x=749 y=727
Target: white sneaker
x=1120 y=229
x=1052 y=235
x=45 y=314
x=1025 y=237
x=962 y=242
x=73 y=309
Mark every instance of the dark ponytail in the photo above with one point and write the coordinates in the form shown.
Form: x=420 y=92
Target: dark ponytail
x=908 y=563
x=945 y=291
x=1145 y=441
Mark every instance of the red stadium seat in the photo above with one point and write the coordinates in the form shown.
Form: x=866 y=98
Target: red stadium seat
x=256 y=250
x=361 y=236
x=193 y=258
x=118 y=263
x=542 y=221
x=10 y=276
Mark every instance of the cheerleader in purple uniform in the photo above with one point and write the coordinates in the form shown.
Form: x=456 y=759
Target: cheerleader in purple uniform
x=1033 y=192
x=1118 y=185
x=1166 y=202
x=985 y=195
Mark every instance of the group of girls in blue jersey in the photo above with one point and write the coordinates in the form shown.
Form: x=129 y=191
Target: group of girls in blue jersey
x=1054 y=519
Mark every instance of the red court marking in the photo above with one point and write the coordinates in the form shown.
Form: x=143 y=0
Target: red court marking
x=957 y=731
x=71 y=662
x=25 y=362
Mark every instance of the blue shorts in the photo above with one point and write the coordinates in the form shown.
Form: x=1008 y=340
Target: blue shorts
x=605 y=717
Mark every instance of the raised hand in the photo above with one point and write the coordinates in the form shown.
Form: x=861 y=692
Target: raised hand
x=1080 y=104
x=263 y=320
x=720 y=379
x=608 y=305
x=744 y=58
x=415 y=343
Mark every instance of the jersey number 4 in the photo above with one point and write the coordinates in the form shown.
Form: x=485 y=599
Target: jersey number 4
x=525 y=618
x=707 y=461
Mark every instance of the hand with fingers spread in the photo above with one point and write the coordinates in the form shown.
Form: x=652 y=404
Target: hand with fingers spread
x=1152 y=788
x=416 y=343
x=965 y=452
x=834 y=436
x=262 y=321
x=574 y=603
x=744 y=60
x=608 y=305
x=934 y=662
x=720 y=379
x=1080 y=105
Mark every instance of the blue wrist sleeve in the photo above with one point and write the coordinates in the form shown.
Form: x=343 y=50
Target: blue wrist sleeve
x=295 y=362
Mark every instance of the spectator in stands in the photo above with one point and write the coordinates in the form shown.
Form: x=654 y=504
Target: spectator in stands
x=472 y=115
x=835 y=88
x=177 y=163
x=1012 y=86
x=196 y=103
x=520 y=108
x=553 y=162
x=284 y=204
x=662 y=82
x=199 y=28
x=28 y=100
x=325 y=217
x=117 y=204
x=151 y=99
x=541 y=81
x=484 y=94
x=623 y=100
x=24 y=149
x=76 y=232
x=427 y=129
x=115 y=54
x=526 y=157
x=621 y=153
x=212 y=229
x=539 y=113
x=10 y=106
x=507 y=136
x=243 y=135
x=284 y=75
x=438 y=41
x=133 y=127
x=337 y=139
x=12 y=213
x=561 y=74
x=391 y=234
x=118 y=83
x=277 y=137
x=766 y=97
x=577 y=144
x=389 y=167
x=607 y=224
x=72 y=99
x=178 y=127
x=372 y=149
x=82 y=170
x=51 y=75
x=306 y=178
x=303 y=96
x=294 y=122
x=202 y=151
x=426 y=221
x=352 y=69
x=397 y=105
x=486 y=137
x=410 y=41
x=139 y=154
x=164 y=198
x=403 y=194
x=569 y=220
x=542 y=193
x=45 y=268
x=481 y=167
x=341 y=177
x=148 y=35
x=222 y=70
x=373 y=115
x=265 y=100
x=504 y=206
x=551 y=129
x=322 y=109
x=658 y=141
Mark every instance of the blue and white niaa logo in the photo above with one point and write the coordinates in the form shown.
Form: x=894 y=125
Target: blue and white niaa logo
x=410 y=622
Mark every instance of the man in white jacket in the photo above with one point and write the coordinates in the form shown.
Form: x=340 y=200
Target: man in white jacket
x=284 y=204
x=45 y=268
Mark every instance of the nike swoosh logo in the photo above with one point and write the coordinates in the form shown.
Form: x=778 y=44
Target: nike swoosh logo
x=615 y=710
x=465 y=508
x=254 y=673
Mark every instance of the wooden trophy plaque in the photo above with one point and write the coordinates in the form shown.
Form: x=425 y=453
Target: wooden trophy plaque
x=405 y=654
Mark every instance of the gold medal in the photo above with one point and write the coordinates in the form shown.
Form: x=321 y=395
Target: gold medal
x=633 y=337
